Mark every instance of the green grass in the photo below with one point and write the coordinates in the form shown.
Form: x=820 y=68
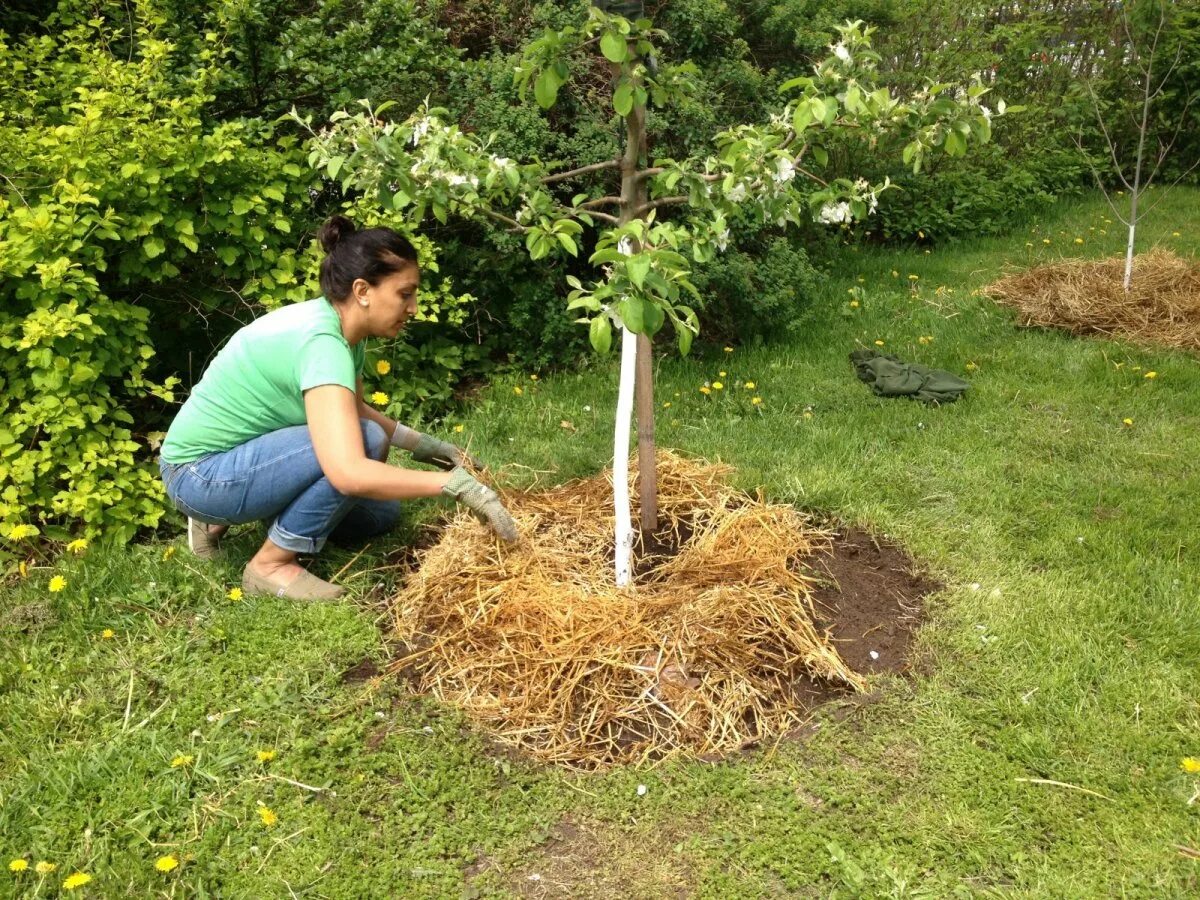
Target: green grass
x=1064 y=647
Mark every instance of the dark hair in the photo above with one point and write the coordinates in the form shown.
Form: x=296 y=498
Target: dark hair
x=371 y=254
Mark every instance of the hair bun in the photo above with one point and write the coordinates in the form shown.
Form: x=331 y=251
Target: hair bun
x=337 y=229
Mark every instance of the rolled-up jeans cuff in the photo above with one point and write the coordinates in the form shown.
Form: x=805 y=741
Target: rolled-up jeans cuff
x=296 y=543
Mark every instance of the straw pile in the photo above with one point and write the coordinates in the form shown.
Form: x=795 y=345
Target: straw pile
x=1086 y=297
x=701 y=654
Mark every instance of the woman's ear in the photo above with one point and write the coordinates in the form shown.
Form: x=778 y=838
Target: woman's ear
x=359 y=291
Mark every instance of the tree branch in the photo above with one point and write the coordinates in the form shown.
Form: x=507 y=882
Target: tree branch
x=600 y=201
x=582 y=170
x=655 y=204
x=513 y=224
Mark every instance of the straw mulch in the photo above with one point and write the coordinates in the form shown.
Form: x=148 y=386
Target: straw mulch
x=1086 y=297
x=700 y=655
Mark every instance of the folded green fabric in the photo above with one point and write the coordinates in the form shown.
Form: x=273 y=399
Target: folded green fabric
x=890 y=376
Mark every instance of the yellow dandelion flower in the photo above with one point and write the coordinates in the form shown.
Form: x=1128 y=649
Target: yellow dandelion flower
x=108 y=634
x=533 y=378
x=78 y=545
x=1175 y=234
x=757 y=401
x=924 y=339
x=705 y=389
x=458 y=429
x=971 y=367
x=57 y=583
x=667 y=405
x=728 y=349
x=1079 y=240
x=235 y=594
x=518 y=391
x=895 y=274
x=1190 y=764
x=879 y=343
x=1120 y=193
x=22 y=531
x=860 y=279
x=182 y=759
x=749 y=385
x=1045 y=240
x=166 y=863
x=807 y=414
x=1150 y=375
x=920 y=233
x=1136 y=369
x=1029 y=243
x=1128 y=423
x=18 y=865
x=717 y=386
x=23 y=569
x=265 y=755
x=78 y=880
x=268 y=817
x=379 y=398
x=927 y=252
x=1103 y=231
x=45 y=868
x=383 y=367
x=854 y=304
x=722 y=374
x=168 y=553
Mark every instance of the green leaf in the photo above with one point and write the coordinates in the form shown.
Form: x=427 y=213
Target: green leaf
x=684 y=334
x=241 y=205
x=153 y=247
x=600 y=334
x=802 y=117
x=568 y=243
x=820 y=154
x=623 y=98
x=632 y=311
x=614 y=48
x=637 y=267
x=545 y=89
x=334 y=165
x=401 y=199
x=653 y=317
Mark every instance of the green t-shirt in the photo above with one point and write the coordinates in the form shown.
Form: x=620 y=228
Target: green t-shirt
x=257 y=382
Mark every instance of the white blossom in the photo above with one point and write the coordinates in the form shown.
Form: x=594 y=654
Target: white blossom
x=840 y=51
x=987 y=113
x=738 y=194
x=785 y=171
x=723 y=240
x=834 y=213
x=625 y=246
x=420 y=130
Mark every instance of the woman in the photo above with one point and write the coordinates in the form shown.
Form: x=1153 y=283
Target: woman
x=278 y=429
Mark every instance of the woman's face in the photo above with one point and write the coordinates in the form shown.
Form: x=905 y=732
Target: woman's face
x=391 y=302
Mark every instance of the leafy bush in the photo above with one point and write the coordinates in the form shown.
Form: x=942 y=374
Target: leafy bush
x=757 y=296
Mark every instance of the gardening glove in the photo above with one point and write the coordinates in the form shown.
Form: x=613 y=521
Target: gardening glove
x=428 y=449
x=482 y=501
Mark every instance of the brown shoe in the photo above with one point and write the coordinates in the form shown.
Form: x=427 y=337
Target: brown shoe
x=304 y=586
x=202 y=541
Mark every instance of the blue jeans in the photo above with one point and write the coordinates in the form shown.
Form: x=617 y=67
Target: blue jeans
x=277 y=476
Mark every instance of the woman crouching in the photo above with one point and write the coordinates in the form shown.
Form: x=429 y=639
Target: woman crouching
x=277 y=428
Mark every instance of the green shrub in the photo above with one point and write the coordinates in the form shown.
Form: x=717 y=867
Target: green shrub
x=756 y=296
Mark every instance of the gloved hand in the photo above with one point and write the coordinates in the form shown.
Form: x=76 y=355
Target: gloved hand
x=442 y=454
x=482 y=501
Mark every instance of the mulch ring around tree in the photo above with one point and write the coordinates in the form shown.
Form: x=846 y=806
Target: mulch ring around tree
x=742 y=618
x=1087 y=297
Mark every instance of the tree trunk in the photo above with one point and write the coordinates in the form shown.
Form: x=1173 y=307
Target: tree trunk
x=1137 y=175
x=637 y=375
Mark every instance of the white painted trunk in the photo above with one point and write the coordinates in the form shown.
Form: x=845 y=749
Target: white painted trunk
x=624 y=531
x=1129 y=257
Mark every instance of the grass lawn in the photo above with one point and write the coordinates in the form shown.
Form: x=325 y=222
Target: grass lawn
x=1065 y=647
